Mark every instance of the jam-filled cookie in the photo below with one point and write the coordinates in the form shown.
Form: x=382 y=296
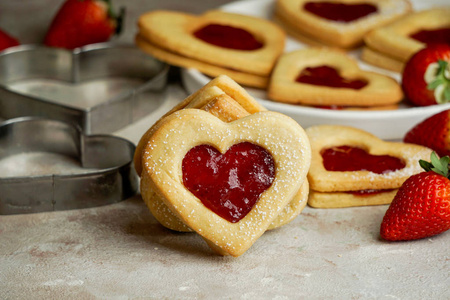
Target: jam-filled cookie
x=351 y=167
x=216 y=42
x=326 y=77
x=341 y=23
x=227 y=109
x=399 y=40
x=227 y=181
x=226 y=103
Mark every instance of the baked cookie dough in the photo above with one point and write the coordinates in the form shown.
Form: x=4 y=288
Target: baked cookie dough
x=222 y=106
x=339 y=23
x=395 y=40
x=174 y=37
x=368 y=177
x=326 y=77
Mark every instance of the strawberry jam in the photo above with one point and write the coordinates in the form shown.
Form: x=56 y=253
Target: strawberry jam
x=438 y=36
x=348 y=158
x=370 y=192
x=340 y=12
x=328 y=76
x=228 y=37
x=228 y=184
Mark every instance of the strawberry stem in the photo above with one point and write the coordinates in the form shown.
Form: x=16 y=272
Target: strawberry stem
x=437 y=165
x=440 y=82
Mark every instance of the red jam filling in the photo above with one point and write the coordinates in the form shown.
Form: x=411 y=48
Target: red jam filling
x=340 y=12
x=328 y=76
x=348 y=158
x=370 y=192
x=228 y=37
x=228 y=184
x=441 y=36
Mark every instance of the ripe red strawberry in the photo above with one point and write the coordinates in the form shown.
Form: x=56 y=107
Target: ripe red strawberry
x=421 y=207
x=82 y=22
x=433 y=132
x=7 y=40
x=426 y=76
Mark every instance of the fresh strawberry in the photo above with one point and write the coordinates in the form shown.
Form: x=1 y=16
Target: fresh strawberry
x=82 y=22
x=7 y=40
x=426 y=76
x=421 y=207
x=433 y=132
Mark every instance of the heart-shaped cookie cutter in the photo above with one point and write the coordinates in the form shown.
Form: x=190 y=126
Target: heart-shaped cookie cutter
x=95 y=62
x=49 y=165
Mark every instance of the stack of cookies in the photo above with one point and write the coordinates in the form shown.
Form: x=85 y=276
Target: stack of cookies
x=188 y=184
x=216 y=42
x=351 y=167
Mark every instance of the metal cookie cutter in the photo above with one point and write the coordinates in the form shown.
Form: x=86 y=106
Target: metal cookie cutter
x=100 y=87
x=49 y=165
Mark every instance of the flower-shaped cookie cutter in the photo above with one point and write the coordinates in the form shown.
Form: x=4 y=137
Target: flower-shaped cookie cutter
x=119 y=84
x=50 y=165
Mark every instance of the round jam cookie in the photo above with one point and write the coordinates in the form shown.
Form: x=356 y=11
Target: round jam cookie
x=402 y=38
x=349 y=170
x=279 y=135
x=227 y=40
x=326 y=77
x=338 y=23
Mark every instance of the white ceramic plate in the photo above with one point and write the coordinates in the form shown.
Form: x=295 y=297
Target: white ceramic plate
x=389 y=125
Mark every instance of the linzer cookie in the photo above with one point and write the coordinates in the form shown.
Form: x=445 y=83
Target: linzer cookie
x=328 y=77
x=227 y=104
x=227 y=181
x=398 y=41
x=337 y=23
x=216 y=42
x=213 y=100
x=351 y=167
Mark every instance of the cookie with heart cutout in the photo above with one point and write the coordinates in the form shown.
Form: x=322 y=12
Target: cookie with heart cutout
x=352 y=167
x=324 y=76
x=407 y=35
x=272 y=145
x=227 y=109
x=342 y=23
x=216 y=42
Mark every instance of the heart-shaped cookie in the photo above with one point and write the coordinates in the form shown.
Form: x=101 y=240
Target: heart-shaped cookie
x=323 y=76
x=183 y=130
x=341 y=23
x=215 y=42
x=351 y=167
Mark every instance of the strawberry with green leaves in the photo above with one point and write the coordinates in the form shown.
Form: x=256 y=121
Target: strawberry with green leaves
x=426 y=76
x=82 y=22
x=421 y=207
